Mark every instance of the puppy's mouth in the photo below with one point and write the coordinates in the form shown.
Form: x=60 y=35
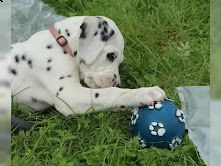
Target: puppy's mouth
x=86 y=86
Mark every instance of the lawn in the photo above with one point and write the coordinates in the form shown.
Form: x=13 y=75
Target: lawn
x=166 y=44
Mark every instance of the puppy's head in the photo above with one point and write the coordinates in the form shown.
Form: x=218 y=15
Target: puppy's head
x=100 y=52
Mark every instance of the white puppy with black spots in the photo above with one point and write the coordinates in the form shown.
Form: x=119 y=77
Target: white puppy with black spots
x=45 y=73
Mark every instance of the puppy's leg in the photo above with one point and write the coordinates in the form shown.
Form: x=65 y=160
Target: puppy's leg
x=80 y=100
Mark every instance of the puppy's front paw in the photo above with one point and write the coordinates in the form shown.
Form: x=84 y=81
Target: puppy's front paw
x=147 y=96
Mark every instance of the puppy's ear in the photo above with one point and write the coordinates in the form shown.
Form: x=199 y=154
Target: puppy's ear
x=91 y=39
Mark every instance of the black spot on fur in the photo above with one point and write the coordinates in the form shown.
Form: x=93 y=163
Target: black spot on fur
x=122 y=106
x=49 y=46
x=111 y=33
x=16 y=59
x=23 y=57
x=96 y=95
x=62 y=77
x=59 y=31
x=67 y=32
x=49 y=60
x=83 y=35
x=75 y=53
x=48 y=68
x=105 y=29
x=99 y=25
x=83 y=28
x=61 y=88
x=104 y=38
x=105 y=23
x=30 y=63
x=102 y=33
x=65 y=52
x=111 y=56
x=13 y=71
x=95 y=33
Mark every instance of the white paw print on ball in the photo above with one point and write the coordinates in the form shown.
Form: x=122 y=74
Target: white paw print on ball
x=158 y=105
x=157 y=129
x=174 y=143
x=180 y=116
x=134 y=117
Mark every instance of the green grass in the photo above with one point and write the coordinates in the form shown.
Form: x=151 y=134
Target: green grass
x=167 y=44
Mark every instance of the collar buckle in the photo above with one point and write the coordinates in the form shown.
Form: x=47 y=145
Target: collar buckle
x=62 y=41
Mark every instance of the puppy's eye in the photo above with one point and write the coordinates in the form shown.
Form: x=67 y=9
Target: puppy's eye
x=111 y=56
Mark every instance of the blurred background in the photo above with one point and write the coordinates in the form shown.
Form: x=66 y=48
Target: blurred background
x=215 y=49
x=5 y=91
x=215 y=82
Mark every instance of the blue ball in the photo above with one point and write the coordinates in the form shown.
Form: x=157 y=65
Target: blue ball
x=161 y=125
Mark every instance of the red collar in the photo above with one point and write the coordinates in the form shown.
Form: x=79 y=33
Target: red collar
x=62 y=41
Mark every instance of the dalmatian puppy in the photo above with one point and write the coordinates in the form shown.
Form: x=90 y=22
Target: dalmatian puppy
x=48 y=68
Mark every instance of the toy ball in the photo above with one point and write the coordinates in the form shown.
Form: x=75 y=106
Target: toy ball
x=161 y=125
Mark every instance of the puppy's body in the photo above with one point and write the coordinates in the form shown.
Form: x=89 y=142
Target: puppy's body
x=44 y=74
